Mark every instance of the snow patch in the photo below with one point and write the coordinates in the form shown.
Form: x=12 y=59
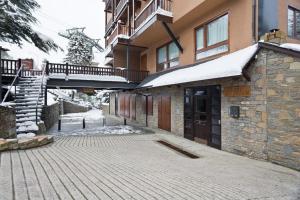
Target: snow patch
x=295 y=47
x=28 y=135
x=88 y=77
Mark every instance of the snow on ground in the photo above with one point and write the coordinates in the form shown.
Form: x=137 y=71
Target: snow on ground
x=72 y=125
x=93 y=114
x=51 y=99
x=28 y=135
x=225 y=66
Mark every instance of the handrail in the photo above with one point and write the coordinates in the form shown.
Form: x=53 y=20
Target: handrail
x=16 y=76
x=144 y=9
x=38 y=99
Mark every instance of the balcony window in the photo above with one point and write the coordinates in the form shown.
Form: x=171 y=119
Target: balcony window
x=167 y=56
x=293 y=23
x=212 y=38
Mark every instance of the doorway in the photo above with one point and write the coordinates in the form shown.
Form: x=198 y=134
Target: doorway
x=164 y=113
x=202 y=115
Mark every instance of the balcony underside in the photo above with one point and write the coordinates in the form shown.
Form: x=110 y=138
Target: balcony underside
x=150 y=31
x=121 y=44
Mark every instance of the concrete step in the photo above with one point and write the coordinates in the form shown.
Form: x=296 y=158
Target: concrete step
x=26 y=119
x=22 y=115
x=30 y=106
x=23 y=110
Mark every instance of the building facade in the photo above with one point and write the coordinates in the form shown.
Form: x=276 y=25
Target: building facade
x=209 y=79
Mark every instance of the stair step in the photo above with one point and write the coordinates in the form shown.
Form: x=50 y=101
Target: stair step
x=26 y=119
x=27 y=115
x=21 y=111
x=27 y=106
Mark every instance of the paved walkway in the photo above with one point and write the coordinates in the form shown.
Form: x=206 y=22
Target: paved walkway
x=137 y=167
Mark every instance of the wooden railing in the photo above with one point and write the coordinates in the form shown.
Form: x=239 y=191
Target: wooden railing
x=120 y=6
x=119 y=30
x=10 y=68
x=109 y=24
x=131 y=75
x=152 y=8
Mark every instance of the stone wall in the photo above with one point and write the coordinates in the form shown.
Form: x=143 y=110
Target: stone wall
x=8 y=122
x=269 y=124
x=283 y=106
x=50 y=115
x=112 y=97
x=74 y=108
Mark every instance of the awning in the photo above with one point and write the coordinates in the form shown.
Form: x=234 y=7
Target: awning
x=225 y=66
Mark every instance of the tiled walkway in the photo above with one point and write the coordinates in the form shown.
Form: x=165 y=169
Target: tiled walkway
x=137 y=167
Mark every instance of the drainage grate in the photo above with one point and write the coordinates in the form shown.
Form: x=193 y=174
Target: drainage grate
x=190 y=155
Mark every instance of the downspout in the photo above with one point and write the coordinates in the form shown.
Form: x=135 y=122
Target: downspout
x=0 y=74
x=254 y=21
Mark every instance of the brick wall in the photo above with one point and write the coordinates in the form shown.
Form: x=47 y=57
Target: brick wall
x=50 y=115
x=8 y=122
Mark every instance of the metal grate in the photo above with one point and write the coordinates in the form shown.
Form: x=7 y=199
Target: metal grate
x=181 y=151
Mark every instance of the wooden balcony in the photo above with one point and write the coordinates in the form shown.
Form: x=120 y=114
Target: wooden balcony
x=109 y=25
x=120 y=30
x=154 y=7
x=135 y=76
x=120 y=7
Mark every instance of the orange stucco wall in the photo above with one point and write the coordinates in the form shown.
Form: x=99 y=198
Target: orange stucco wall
x=240 y=33
x=283 y=15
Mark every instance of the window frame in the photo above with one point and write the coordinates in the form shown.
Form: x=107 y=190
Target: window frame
x=160 y=66
x=295 y=10
x=205 y=38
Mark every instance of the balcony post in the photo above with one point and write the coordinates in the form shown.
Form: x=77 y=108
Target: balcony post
x=0 y=75
x=129 y=21
x=133 y=13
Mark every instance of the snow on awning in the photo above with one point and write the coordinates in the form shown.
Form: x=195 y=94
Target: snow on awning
x=225 y=66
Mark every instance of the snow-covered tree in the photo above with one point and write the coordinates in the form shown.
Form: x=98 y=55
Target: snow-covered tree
x=79 y=50
x=16 y=22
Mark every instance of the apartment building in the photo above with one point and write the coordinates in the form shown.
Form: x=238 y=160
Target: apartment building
x=211 y=80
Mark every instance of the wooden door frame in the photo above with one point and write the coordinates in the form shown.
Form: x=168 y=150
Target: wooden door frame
x=209 y=87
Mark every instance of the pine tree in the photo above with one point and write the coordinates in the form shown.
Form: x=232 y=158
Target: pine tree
x=16 y=22
x=79 y=50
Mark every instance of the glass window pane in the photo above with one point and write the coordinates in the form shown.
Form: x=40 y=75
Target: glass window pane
x=291 y=23
x=212 y=52
x=200 y=39
x=162 y=55
x=173 y=51
x=217 y=31
x=298 y=24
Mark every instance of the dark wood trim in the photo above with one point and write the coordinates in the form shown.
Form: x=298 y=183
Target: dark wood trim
x=279 y=49
x=173 y=37
x=205 y=36
x=295 y=10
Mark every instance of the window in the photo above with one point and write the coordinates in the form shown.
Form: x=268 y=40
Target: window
x=167 y=56
x=294 y=23
x=212 y=38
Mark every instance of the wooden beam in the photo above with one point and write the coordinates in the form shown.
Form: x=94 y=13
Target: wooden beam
x=171 y=34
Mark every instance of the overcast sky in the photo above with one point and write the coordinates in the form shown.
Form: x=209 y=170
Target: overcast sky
x=58 y=15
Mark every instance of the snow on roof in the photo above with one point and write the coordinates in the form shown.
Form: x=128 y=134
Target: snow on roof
x=295 y=47
x=225 y=66
x=88 y=77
